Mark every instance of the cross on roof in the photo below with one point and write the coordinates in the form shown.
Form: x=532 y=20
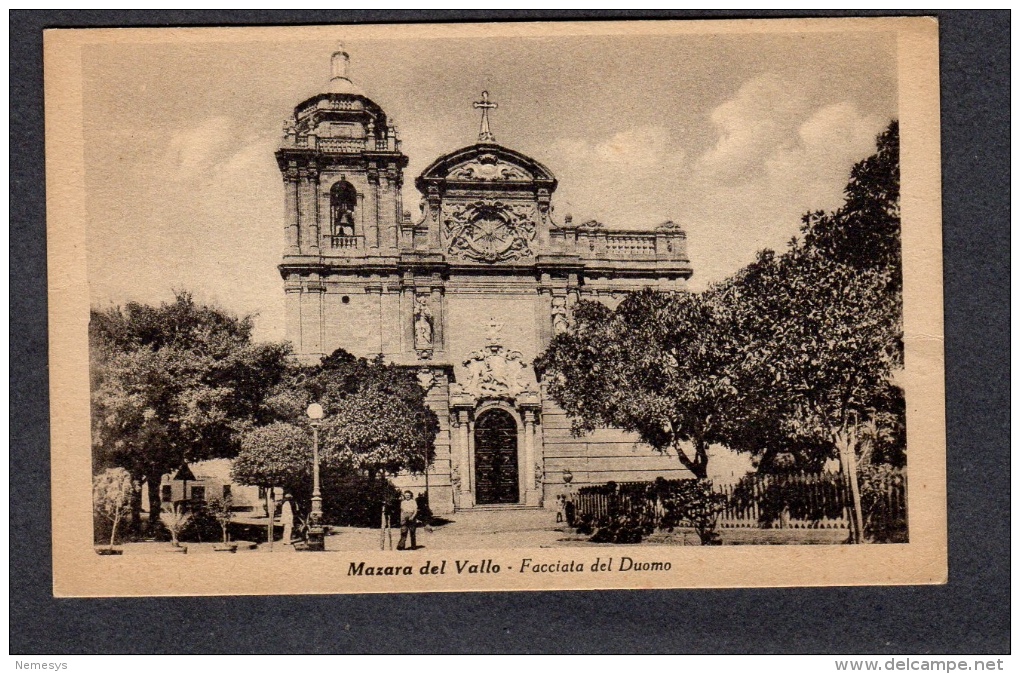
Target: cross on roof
x=484 y=135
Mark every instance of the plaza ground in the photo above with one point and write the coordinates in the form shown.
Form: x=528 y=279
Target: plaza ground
x=510 y=528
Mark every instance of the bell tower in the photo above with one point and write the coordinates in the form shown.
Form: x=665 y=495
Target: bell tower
x=342 y=170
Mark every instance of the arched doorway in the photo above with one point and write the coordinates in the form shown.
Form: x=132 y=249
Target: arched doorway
x=496 y=476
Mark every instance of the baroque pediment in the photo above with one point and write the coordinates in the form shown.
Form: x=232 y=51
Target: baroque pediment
x=487 y=167
x=486 y=163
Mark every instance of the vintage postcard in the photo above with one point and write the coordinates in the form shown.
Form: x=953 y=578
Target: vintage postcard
x=520 y=306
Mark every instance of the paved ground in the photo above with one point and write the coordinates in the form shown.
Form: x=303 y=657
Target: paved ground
x=469 y=530
x=493 y=529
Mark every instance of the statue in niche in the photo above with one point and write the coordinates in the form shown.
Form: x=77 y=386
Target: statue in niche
x=559 y=315
x=343 y=199
x=422 y=322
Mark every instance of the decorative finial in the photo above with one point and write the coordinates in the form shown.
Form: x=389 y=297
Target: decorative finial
x=340 y=63
x=484 y=135
x=492 y=333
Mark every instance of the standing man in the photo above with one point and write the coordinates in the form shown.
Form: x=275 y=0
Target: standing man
x=408 y=520
x=287 y=518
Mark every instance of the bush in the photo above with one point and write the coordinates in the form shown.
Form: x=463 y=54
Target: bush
x=883 y=503
x=694 y=503
x=202 y=527
x=634 y=510
x=810 y=497
x=356 y=500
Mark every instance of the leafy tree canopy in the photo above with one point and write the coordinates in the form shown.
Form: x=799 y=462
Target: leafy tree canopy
x=174 y=382
x=277 y=455
x=785 y=356
x=376 y=418
x=657 y=366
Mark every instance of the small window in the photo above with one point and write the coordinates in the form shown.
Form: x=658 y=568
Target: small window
x=345 y=299
x=198 y=493
x=166 y=493
x=226 y=492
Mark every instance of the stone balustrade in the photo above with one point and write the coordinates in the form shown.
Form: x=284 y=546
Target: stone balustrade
x=345 y=242
x=341 y=145
x=621 y=244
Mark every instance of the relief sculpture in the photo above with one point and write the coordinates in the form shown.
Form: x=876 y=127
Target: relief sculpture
x=490 y=230
x=422 y=326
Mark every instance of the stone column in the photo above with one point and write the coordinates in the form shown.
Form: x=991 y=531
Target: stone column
x=372 y=235
x=290 y=191
x=531 y=496
x=434 y=217
x=471 y=460
x=308 y=208
x=438 y=343
x=388 y=215
x=311 y=316
x=292 y=307
x=464 y=468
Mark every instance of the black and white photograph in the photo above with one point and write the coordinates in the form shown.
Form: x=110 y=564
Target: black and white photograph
x=496 y=307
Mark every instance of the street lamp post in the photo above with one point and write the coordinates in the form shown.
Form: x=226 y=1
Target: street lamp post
x=316 y=533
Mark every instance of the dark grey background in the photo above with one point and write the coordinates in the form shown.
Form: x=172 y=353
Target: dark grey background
x=970 y=614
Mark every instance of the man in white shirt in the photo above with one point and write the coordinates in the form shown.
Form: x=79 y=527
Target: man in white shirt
x=408 y=520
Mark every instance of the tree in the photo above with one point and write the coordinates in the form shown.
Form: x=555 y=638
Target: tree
x=223 y=511
x=175 y=382
x=112 y=491
x=376 y=423
x=821 y=325
x=819 y=342
x=277 y=455
x=376 y=417
x=656 y=366
x=865 y=232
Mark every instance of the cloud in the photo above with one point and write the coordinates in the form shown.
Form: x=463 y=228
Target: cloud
x=192 y=151
x=750 y=125
x=216 y=218
x=775 y=157
x=626 y=180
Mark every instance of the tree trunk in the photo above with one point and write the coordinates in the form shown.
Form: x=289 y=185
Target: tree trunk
x=155 y=502
x=271 y=511
x=699 y=464
x=848 y=460
x=136 y=507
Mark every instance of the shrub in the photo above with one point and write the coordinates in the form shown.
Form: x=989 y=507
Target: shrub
x=694 y=503
x=356 y=500
x=222 y=510
x=175 y=519
x=634 y=510
x=883 y=503
x=112 y=491
x=203 y=525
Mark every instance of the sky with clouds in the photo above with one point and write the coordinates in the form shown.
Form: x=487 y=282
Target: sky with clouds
x=733 y=136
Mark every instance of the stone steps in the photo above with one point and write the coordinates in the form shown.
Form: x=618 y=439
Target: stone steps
x=498 y=507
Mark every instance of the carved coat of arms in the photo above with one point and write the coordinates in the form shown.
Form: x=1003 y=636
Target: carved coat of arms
x=489 y=230
x=496 y=372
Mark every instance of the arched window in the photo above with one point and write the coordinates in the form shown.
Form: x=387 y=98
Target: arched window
x=343 y=198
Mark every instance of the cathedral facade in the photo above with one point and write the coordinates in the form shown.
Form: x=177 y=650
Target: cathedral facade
x=468 y=295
